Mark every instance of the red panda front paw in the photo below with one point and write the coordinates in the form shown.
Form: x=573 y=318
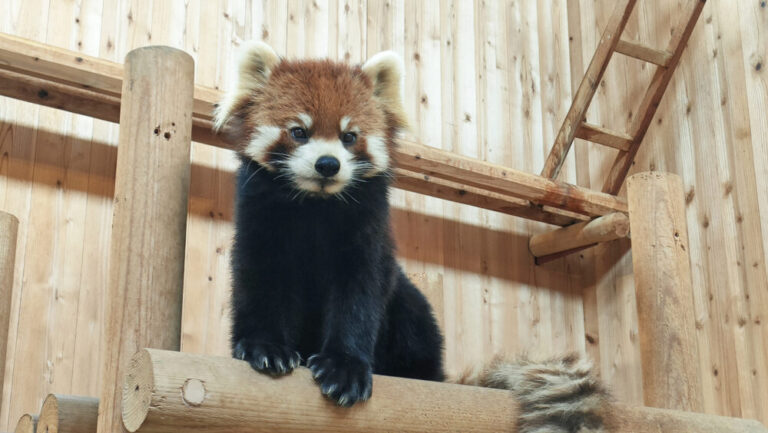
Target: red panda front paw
x=274 y=359
x=344 y=379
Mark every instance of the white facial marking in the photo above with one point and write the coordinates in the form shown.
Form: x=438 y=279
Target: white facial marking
x=306 y=119
x=377 y=148
x=344 y=123
x=302 y=165
x=263 y=138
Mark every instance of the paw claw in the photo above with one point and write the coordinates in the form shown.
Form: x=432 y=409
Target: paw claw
x=343 y=379
x=266 y=357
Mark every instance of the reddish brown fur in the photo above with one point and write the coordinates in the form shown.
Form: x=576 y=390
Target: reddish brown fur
x=326 y=91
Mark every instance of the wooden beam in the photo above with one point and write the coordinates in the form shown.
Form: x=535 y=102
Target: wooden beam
x=23 y=77
x=71 y=67
x=27 y=424
x=664 y=290
x=606 y=137
x=652 y=420
x=9 y=228
x=496 y=178
x=592 y=77
x=68 y=414
x=652 y=98
x=436 y=187
x=150 y=215
x=603 y=229
x=105 y=107
x=644 y=52
x=182 y=392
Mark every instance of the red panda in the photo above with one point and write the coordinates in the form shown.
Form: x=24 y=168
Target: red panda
x=315 y=281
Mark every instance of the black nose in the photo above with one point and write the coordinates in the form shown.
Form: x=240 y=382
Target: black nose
x=327 y=166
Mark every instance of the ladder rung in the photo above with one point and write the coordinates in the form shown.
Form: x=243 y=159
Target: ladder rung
x=606 y=137
x=652 y=98
x=644 y=52
x=586 y=91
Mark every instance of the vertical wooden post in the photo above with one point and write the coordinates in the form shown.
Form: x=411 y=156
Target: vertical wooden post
x=9 y=227
x=150 y=216
x=662 y=271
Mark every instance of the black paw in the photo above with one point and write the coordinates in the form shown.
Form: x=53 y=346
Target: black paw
x=274 y=359
x=344 y=379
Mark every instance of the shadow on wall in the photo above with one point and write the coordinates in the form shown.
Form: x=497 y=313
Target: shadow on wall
x=58 y=160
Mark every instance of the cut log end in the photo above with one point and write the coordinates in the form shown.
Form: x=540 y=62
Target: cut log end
x=137 y=391
x=68 y=414
x=26 y=424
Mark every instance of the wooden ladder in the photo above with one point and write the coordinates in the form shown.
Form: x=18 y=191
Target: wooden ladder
x=575 y=126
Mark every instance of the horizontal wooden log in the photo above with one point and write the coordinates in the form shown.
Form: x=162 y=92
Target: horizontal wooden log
x=26 y=424
x=175 y=392
x=650 y=420
x=436 y=187
x=179 y=392
x=68 y=80
x=606 y=137
x=644 y=52
x=496 y=178
x=68 y=414
x=603 y=229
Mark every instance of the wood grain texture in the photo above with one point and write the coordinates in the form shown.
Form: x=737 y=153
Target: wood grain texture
x=606 y=137
x=68 y=414
x=664 y=290
x=431 y=162
x=230 y=391
x=583 y=96
x=602 y=229
x=644 y=52
x=489 y=80
x=9 y=230
x=708 y=106
x=170 y=391
x=655 y=92
x=149 y=223
x=26 y=424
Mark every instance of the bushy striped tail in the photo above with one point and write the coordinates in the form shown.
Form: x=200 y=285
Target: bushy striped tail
x=559 y=395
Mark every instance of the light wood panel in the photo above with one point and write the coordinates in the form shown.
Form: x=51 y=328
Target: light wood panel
x=706 y=131
x=491 y=80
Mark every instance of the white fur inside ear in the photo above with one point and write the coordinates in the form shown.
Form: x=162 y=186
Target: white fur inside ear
x=386 y=70
x=255 y=61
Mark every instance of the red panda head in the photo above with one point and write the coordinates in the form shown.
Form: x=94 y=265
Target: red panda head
x=322 y=124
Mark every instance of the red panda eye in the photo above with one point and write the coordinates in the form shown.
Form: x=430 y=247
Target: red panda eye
x=299 y=134
x=348 y=138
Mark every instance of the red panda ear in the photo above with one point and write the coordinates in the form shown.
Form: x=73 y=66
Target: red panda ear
x=254 y=66
x=385 y=70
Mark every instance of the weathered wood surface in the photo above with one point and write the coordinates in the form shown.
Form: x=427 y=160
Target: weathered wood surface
x=664 y=291
x=149 y=226
x=170 y=391
x=68 y=414
x=489 y=80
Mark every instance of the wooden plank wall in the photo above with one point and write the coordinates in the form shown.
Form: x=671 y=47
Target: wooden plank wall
x=489 y=79
x=711 y=130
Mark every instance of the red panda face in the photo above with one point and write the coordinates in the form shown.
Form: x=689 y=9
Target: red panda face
x=323 y=125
